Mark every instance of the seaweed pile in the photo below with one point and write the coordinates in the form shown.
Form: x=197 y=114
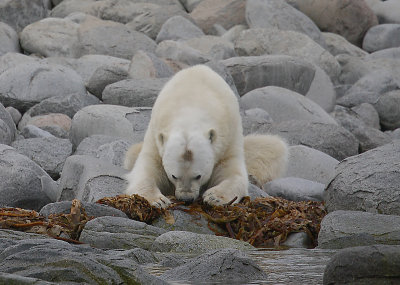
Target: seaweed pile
x=263 y=222
x=67 y=227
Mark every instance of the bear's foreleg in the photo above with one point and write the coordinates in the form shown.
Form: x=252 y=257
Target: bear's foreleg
x=231 y=183
x=141 y=181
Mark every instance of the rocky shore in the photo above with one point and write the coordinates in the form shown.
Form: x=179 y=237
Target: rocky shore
x=78 y=79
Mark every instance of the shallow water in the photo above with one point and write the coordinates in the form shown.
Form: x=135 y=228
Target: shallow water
x=293 y=266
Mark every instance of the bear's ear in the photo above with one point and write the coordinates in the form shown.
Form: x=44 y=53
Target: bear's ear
x=212 y=135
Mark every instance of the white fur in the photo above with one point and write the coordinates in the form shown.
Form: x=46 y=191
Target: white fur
x=196 y=111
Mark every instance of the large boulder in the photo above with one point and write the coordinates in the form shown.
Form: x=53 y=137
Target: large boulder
x=279 y=14
x=285 y=105
x=340 y=229
x=348 y=18
x=376 y=264
x=28 y=84
x=23 y=183
x=373 y=177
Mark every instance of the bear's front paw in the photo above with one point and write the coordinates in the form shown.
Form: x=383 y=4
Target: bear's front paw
x=159 y=201
x=216 y=197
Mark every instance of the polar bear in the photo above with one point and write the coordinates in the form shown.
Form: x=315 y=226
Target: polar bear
x=193 y=145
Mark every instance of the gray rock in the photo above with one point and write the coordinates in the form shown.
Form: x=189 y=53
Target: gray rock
x=388 y=108
x=224 y=266
x=134 y=92
x=49 y=153
x=331 y=139
x=23 y=183
x=187 y=242
x=295 y=189
x=389 y=53
x=179 y=51
x=12 y=59
x=28 y=84
x=211 y=15
x=51 y=37
x=67 y=105
x=373 y=176
x=178 y=28
x=368 y=114
x=106 y=148
x=87 y=65
x=255 y=119
x=223 y=71
x=386 y=11
x=251 y=72
x=213 y=47
x=117 y=232
x=233 y=33
x=104 y=76
x=111 y=120
x=146 y=65
x=255 y=42
x=183 y=221
x=298 y=240
x=320 y=166
x=279 y=14
x=381 y=37
x=376 y=264
x=189 y=5
x=152 y=17
x=89 y=179
x=336 y=44
x=9 y=39
x=284 y=105
x=256 y=192
x=31 y=131
x=354 y=68
x=15 y=114
x=368 y=137
x=7 y=278
x=7 y=126
x=110 y=38
x=369 y=88
x=60 y=262
x=20 y=13
x=340 y=229
x=57 y=124
x=91 y=209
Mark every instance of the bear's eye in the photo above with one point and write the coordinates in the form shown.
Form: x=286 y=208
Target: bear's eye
x=197 y=177
x=174 y=177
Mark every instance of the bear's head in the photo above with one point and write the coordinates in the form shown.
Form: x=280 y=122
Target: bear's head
x=188 y=161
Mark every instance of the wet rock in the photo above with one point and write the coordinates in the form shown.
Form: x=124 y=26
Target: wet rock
x=208 y=13
x=187 y=242
x=382 y=37
x=134 y=92
x=33 y=82
x=22 y=182
x=117 y=232
x=89 y=179
x=376 y=264
x=49 y=153
x=279 y=14
x=178 y=28
x=295 y=189
x=320 y=166
x=252 y=72
x=91 y=209
x=117 y=121
x=373 y=177
x=340 y=229
x=58 y=261
x=225 y=266
x=284 y=105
